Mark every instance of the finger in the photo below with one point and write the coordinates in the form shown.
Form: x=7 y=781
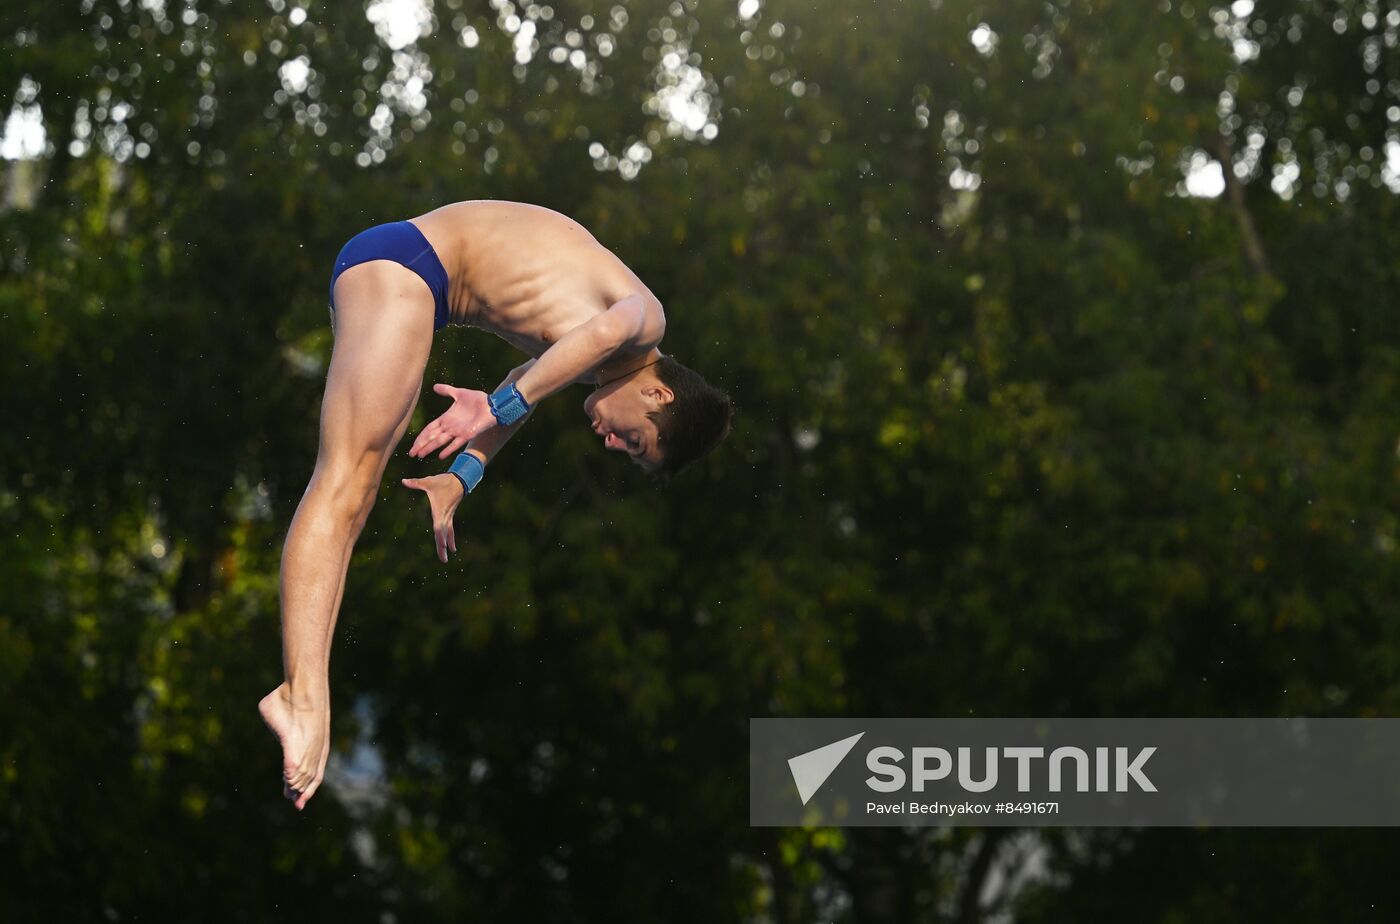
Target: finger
x=452 y=447
x=452 y=538
x=413 y=483
x=440 y=541
x=443 y=389
x=416 y=449
x=431 y=431
x=431 y=444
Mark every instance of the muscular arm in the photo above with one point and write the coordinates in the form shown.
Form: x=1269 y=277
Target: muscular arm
x=633 y=324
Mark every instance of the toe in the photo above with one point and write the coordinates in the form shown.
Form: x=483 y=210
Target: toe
x=305 y=770
x=310 y=791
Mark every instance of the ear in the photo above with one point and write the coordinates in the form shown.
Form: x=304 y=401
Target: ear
x=658 y=393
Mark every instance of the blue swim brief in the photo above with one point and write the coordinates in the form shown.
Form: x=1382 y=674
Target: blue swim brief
x=402 y=242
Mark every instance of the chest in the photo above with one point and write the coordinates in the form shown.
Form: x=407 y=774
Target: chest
x=531 y=343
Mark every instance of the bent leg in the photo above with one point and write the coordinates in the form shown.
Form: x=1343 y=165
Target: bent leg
x=383 y=334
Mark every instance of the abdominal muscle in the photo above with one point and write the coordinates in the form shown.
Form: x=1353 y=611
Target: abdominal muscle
x=523 y=272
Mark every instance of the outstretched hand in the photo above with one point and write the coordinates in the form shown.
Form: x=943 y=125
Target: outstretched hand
x=444 y=494
x=468 y=416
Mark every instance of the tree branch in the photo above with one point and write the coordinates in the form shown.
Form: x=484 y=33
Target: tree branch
x=969 y=902
x=1253 y=244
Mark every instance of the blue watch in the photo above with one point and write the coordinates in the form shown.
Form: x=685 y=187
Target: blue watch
x=508 y=406
x=468 y=469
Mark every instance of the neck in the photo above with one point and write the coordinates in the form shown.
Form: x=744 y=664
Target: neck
x=612 y=371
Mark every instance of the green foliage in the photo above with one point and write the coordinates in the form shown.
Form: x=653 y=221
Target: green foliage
x=1022 y=429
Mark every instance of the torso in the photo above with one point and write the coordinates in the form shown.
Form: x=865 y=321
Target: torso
x=524 y=272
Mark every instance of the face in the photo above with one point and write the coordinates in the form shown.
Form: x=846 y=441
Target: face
x=618 y=413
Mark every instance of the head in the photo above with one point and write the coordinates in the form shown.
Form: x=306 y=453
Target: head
x=665 y=416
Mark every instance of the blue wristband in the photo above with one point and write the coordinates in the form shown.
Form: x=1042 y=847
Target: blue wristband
x=508 y=406
x=468 y=469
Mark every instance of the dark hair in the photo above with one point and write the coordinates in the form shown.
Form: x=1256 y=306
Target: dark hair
x=694 y=423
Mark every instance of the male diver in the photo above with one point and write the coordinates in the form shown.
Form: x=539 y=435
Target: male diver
x=541 y=282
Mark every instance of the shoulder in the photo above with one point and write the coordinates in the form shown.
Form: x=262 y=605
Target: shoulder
x=635 y=319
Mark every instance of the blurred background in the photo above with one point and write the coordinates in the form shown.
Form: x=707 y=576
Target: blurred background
x=1064 y=340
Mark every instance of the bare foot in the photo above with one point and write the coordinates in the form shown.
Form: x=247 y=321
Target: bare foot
x=304 y=731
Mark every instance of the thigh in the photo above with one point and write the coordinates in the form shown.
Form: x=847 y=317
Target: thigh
x=383 y=335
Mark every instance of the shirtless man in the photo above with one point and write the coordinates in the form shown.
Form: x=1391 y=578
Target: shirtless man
x=536 y=279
